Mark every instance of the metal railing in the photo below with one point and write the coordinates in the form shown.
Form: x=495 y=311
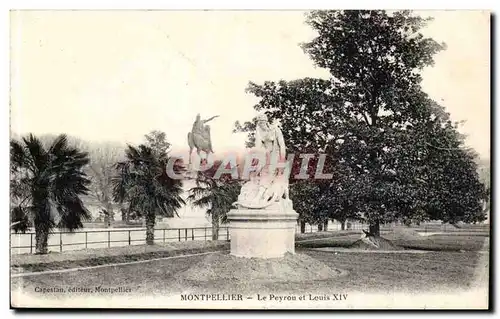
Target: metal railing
x=64 y=241
x=107 y=238
x=331 y=227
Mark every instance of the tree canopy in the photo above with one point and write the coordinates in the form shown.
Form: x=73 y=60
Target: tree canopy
x=393 y=150
x=144 y=183
x=46 y=186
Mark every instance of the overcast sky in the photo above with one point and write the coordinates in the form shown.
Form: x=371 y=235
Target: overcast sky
x=116 y=75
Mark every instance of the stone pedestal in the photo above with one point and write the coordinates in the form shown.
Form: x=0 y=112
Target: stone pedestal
x=263 y=233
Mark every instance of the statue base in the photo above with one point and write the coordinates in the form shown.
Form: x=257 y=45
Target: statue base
x=263 y=233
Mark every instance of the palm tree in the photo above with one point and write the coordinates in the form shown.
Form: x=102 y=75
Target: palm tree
x=46 y=185
x=143 y=181
x=217 y=195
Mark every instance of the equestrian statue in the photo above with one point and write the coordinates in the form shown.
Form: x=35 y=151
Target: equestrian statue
x=199 y=137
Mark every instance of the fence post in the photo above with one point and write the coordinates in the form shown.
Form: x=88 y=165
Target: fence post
x=192 y=233
x=205 y=234
x=86 y=240
x=31 y=243
x=60 y=241
x=227 y=233
x=129 y=241
x=109 y=238
x=179 y=231
x=163 y=235
x=185 y=234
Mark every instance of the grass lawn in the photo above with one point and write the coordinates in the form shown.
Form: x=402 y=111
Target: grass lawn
x=368 y=272
x=102 y=256
x=463 y=241
x=441 y=242
x=452 y=266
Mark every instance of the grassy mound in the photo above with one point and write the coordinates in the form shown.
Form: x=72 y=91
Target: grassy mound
x=404 y=233
x=290 y=268
x=375 y=243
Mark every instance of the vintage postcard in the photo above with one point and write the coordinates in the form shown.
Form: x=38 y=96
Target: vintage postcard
x=322 y=159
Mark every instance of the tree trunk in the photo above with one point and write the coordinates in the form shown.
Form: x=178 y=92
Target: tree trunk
x=302 y=227
x=109 y=209
x=342 y=225
x=106 y=221
x=325 y=225
x=111 y=214
x=150 y=229
x=320 y=226
x=215 y=226
x=41 y=239
x=125 y=213
x=374 y=228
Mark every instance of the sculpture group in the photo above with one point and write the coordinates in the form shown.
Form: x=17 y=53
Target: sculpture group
x=262 y=224
x=269 y=183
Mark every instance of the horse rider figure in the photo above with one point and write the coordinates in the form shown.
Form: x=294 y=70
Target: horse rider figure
x=199 y=136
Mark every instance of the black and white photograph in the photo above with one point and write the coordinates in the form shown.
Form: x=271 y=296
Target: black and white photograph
x=250 y=159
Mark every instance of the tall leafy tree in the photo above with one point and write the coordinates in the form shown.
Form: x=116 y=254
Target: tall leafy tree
x=46 y=185
x=375 y=59
x=306 y=201
x=342 y=196
x=101 y=169
x=453 y=187
x=157 y=140
x=143 y=182
x=372 y=112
